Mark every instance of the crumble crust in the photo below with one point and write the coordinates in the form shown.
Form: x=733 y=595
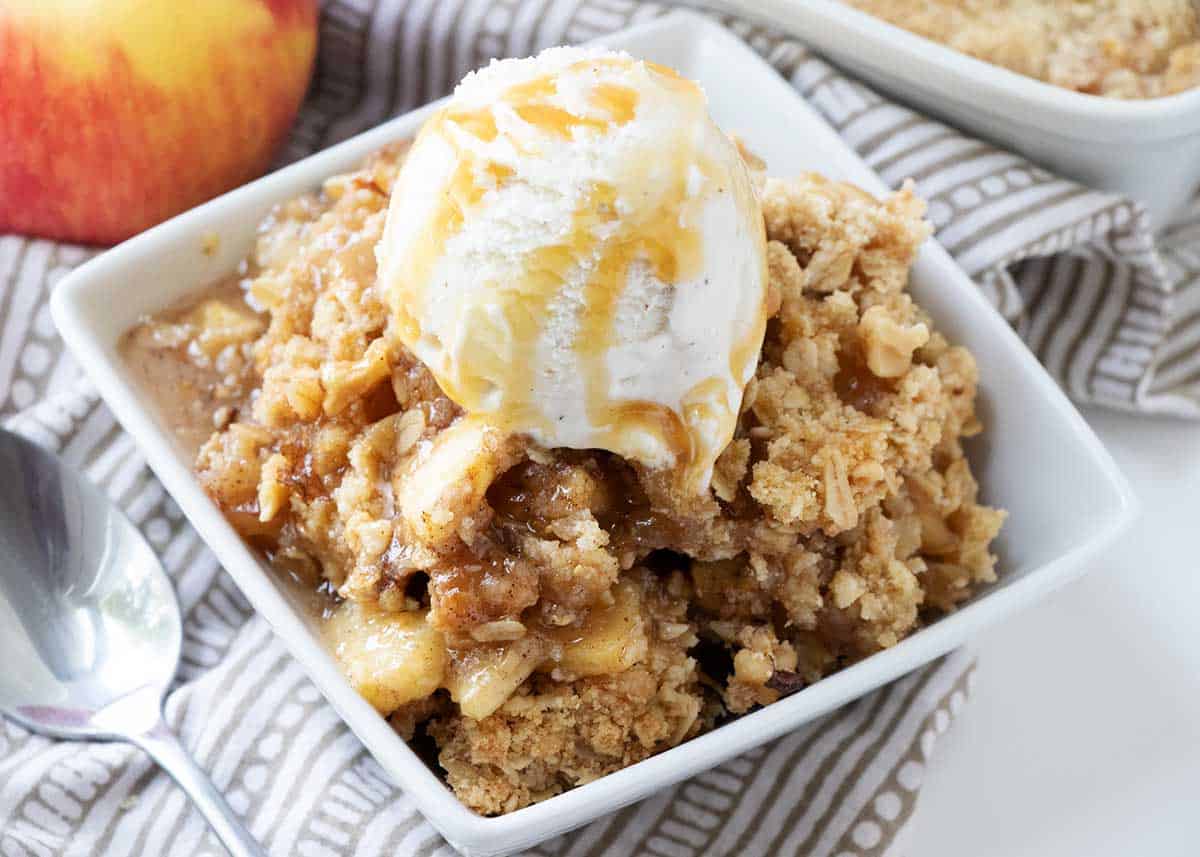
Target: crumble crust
x=548 y=616
x=1114 y=48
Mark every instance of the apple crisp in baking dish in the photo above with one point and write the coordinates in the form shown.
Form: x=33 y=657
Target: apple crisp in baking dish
x=1113 y=48
x=544 y=616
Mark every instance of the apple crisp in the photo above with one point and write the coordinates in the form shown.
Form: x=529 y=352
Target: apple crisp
x=1113 y=48
x=543 y=617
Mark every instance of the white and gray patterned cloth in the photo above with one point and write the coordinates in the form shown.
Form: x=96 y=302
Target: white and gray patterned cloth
x=1113 y=313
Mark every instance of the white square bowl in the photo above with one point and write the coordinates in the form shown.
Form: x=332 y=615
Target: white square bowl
x=1037 y=458
x=1148 y=149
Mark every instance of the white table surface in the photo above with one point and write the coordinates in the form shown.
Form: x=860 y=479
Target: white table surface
x=1083 y=734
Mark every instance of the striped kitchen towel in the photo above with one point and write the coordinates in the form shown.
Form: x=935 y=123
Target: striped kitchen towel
x=1114 y=314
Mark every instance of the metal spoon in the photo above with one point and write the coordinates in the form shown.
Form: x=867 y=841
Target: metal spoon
x=89 y=626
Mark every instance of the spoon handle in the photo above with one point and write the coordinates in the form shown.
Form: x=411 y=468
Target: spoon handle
x=165 y=749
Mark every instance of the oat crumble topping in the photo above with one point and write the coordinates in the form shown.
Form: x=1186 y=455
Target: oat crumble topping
x=1113 y=48
x=548 y=616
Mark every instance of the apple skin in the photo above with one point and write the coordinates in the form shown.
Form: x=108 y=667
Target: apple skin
x=117 y=114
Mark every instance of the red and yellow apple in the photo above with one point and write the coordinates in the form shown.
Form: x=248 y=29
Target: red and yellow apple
x=117 y=114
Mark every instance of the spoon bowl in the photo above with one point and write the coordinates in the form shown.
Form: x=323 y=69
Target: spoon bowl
x=89 y=624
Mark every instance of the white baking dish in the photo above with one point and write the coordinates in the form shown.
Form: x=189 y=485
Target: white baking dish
x=1038 y=458
x=1147 y=149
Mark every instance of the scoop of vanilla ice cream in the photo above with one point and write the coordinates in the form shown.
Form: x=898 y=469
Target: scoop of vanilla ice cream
x=576 y=251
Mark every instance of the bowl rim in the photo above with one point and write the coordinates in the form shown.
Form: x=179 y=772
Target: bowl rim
x=78 y=304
